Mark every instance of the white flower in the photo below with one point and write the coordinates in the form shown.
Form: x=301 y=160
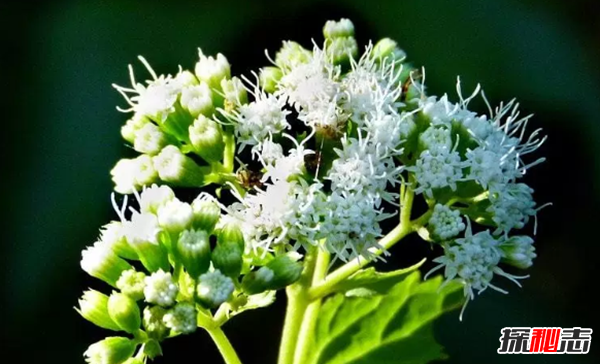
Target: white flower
x=149 y=139
x=144 y=171
x=101 y=262
x=154 y=197
x=142 y=229
x=437 y=171
x=214 y=288
x=181 y=318
x=268 y=152
x=445 y=222
x=341 y=28
x=485 y=167
x=123 y=176
x=160 y=289
x=212 y=69
x=132 y=283
x=260 y=119
x=437 y=140
x=175 y=216
x=156 y=100
x=512 y=206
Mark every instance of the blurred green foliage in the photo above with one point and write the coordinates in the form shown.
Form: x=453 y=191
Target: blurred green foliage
x=59 y=59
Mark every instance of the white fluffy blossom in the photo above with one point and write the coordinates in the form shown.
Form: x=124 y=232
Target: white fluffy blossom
x=154 y=197
x=512 y=206
x=160 y=289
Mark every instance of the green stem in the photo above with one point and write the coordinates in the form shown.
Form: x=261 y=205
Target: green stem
x=227 y=351
x=297 y=303
x=311 y=314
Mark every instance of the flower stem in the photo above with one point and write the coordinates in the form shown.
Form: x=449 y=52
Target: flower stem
x=311 y=314
x=297 y=302
x=227 y=351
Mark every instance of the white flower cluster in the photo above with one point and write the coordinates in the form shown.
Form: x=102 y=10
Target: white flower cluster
x=160 y=289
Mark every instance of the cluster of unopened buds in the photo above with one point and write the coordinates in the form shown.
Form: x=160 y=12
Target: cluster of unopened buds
x=311 y=152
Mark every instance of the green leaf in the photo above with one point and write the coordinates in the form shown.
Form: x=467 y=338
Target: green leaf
x=368 y=281
x=396 y=327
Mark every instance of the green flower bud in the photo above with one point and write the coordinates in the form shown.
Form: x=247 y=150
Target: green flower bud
x=113 y=235
x=132 y=126
x=269 y=77
x=291 y=55
x=207 y=138
x=518 y=251
x=338 y=29
x=177 y=122
x=235 y=93
x=227 y=257
x=153 y=322
x=182 y=318
x=132 y=284
x=212 y=70
x=112 y=350
x=231 y=233
x=214 y=288
x=152 y=349
x=342 y=49
x=150 y=139
x=124 y=312
x=206 y=214
x=93 y=306
x=176 y=168
x=186 y=78
x=258 y=281
x=198 y=99
x=142 y=234
x=101 y=262
x=193 y=249
x=286 y=271
x=387 y=47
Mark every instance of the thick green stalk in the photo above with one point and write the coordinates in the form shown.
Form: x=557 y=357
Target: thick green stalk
x=227 y=351
x=297 y=302
x=311 y=314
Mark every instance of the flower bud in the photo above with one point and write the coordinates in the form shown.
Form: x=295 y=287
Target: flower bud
x=113 y=235
x=182 y=318
x=235 y=93
x=93 y=306
x=132 y=125
x=227 y=257
x=155 y=197
x=112 y=350
x=258 y=281
x=150 y=139
x=207 y=138
x=387 y=47
x=144 y=172
x=123 y=176
x=231 y=233
x=198 y=99
x=212 y=70
x=124 y=312
x=269 y=78
x=518 y=251
x=285 y=271
x=291 y=55
x=176 y=168
x=338 y=29
x=185 y=79
x=101 y=262
x=160 y=289
x=132 y=283
x=214 y=288
x=177 y=122
x=445 y=223
x=206 y=214
x=153 y=322
x=193 y=249
x=175 y=216
x=342 y=49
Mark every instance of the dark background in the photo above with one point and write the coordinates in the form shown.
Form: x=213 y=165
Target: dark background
x=60 y=137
